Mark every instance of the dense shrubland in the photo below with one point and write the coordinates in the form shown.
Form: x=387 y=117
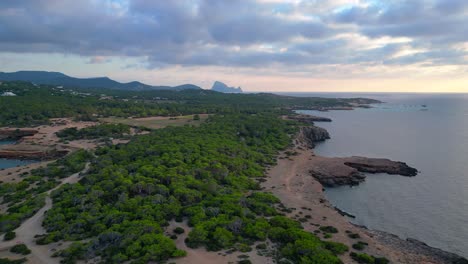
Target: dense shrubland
x=203 y=175
x=93 y=132
x=25 y=198
x=34 y=105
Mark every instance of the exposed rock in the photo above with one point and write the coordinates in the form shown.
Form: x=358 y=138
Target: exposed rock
x=348 y=171
x=309 y=119
x=368 y=165
x=16 y=133
x=312 y=134
x=332 y=172
x=417 y=247
x=336 y=171
x=32 y=154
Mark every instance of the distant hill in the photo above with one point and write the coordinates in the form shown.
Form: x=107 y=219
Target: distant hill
x=57 y=78
x=223 y=88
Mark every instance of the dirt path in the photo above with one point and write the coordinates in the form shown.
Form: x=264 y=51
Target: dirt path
x=33 y=226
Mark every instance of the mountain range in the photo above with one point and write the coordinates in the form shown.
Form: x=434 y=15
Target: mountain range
x=57 y=78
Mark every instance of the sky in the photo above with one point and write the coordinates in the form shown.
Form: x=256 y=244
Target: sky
x=260 y=45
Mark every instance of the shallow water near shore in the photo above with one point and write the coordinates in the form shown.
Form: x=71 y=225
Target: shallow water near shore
x=430 y=133
x=10 y=163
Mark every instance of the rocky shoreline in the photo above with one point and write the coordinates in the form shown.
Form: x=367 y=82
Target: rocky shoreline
x=332 y=171
x=16 y=133
x=38 y=143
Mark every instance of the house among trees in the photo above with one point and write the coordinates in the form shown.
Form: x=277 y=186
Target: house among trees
x=8 y=94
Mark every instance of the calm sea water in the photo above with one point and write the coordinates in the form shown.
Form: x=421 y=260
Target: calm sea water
x=9 y=163
x=431 y=207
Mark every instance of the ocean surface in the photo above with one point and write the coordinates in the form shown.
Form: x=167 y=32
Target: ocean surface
x=430 y=133
x=9 y=163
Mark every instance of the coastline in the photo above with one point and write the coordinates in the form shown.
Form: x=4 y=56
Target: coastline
x=292 y=182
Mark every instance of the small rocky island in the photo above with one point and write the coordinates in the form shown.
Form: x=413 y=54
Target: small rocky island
x=223 y=88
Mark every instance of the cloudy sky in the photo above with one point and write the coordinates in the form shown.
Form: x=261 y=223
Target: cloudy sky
x=261 y=45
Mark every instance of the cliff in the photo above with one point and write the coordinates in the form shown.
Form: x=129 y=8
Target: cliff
x=312 y=134
x=13 y=133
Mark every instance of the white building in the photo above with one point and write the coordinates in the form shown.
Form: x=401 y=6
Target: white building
x=8 y=94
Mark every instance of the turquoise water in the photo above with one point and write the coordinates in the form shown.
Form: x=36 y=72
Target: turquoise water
x=431 y=207
x=9 y=163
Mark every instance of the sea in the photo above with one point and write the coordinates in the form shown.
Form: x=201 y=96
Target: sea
x=9 y=163
x=427 y=131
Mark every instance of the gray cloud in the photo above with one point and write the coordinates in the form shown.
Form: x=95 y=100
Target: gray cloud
x=236 y=32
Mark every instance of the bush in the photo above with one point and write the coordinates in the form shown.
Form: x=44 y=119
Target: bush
x=360 y=245
x=244 y=261
x=9 y=236
x=366 y=259
x=9 y=261
x=329 y=229
x=381 y=260
x=261 y=246
x=362 y=258
x=20 y=249
x=336 y=248
x=354 y=236
x=178 y=230
x=244 y=248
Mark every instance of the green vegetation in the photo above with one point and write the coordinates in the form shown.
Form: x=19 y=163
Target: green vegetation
x=203 y=168
x=93 y=132
x=336 y=248
x=9 y=236
x=26 y=197
x=20 y=249
x=367 y=259
x=179 y=230
x=328 y=229
x=354 y=236
x=9 y=261
x=156 y=122
x=34 y=105
x=203 y=174
x=360 y=245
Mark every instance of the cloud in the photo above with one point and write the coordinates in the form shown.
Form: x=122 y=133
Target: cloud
x=240 y=33
x=98 y=60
